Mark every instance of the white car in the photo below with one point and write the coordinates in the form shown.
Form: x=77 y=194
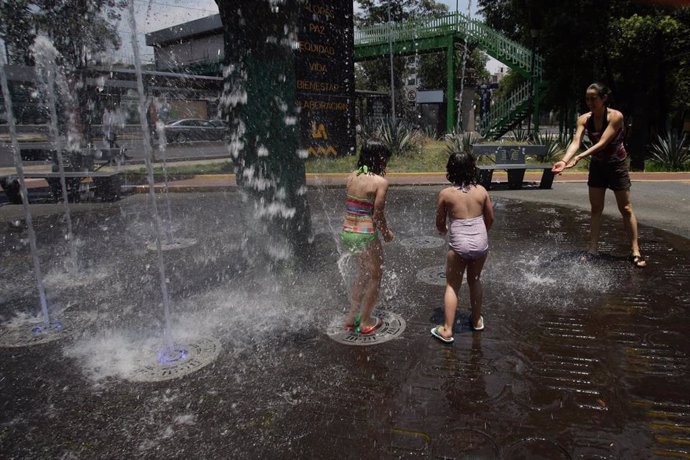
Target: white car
x=193 y=129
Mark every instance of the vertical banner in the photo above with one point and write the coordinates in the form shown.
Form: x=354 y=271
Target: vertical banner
x=324 y=71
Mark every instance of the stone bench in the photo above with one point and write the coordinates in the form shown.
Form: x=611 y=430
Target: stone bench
x=108 y=185
x=511 y=158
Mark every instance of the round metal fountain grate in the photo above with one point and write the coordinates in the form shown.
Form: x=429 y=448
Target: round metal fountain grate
x=34 y=331
x=177 y=243
x=433 y=275
x=392 y=327
x=423 y=242
x=156 y=364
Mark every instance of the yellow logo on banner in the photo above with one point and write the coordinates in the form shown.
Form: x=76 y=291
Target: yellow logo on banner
x=320 y=132
x=322 y=151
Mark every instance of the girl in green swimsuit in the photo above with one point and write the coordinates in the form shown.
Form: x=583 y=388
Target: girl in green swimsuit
x=364 y=221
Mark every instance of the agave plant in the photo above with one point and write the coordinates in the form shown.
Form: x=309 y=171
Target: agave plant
x=398 y=136
x=554 y=146
x=461 y=143
x=520 y=134
x=670 y=151
x=430 y=133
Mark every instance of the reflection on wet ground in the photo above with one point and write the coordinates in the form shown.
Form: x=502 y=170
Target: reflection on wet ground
x=578 y=359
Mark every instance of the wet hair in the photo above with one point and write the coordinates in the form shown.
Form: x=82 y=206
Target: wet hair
x=462 y=170
x=374 y=155
x=603 y=91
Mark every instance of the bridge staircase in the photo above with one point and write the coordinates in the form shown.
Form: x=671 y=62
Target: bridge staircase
x=443 y=32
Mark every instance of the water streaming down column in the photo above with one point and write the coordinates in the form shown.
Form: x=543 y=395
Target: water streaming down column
x=173 y=359
x=47 y=323
x=171 y=242
x=459 y=123
x=48 y=73
x=169 y=346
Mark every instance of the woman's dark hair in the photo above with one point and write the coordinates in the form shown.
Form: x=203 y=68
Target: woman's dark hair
x=462 y=169
x=603 y=91
x=374 y=155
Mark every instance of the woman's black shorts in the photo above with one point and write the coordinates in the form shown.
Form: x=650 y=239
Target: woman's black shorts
x=613 y=175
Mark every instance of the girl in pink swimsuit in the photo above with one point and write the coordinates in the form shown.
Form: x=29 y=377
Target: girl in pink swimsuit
x=466 y=213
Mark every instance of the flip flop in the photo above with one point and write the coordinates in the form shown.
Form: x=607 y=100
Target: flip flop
x=370 y=329
x=435 y=333
x=481 y=324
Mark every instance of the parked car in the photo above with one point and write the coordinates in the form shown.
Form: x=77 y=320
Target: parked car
x=193 y=129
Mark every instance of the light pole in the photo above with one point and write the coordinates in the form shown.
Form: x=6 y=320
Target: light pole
x=535 y=113
x=390 y=53
x=458 y=124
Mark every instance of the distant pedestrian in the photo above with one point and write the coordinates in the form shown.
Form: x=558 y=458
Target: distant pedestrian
x=608 y=168
x=464 y=210
x=109 y=125
x=364 y=221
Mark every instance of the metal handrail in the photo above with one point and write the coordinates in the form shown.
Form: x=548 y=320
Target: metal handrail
x=505 y=108
x=501 y=47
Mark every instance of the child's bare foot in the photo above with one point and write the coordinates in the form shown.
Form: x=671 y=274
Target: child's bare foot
x=637 y=260
x=589 y=255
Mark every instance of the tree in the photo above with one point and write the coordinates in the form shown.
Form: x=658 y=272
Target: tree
x=259 y=94
x=639 y=49
x=80 y=30
x=376 y=73
x=432 y=69
x=17 y=30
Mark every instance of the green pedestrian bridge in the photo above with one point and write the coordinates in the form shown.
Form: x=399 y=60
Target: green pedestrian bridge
x=442 y=33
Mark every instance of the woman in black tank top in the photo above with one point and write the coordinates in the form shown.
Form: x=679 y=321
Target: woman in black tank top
x=608 y=169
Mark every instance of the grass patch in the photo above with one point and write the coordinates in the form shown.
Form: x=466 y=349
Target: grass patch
x=185 y=170
x=654 y=166
x=330 y=165
x=431 y=157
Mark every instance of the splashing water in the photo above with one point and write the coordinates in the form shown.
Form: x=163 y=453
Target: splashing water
x=464 y=66
x=149 y=169
x=162 y=150
x=24 y=194
x=49 y=75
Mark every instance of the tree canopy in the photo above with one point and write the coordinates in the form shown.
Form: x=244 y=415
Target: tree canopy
x=638 y=48
x=79 y=29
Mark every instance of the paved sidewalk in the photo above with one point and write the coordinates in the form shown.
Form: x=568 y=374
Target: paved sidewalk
x=419 y=178
x=660 y=199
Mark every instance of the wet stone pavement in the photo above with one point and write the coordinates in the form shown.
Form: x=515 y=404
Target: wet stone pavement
x=578 y=359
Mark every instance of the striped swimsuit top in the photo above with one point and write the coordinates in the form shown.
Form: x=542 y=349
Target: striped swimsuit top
x=358 y=215
x=615 y=150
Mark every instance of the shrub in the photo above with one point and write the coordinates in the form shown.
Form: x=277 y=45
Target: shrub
x=399 y=137
x=461 y=143
x=670 y=151
x=520 y=134
x=554 y=146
